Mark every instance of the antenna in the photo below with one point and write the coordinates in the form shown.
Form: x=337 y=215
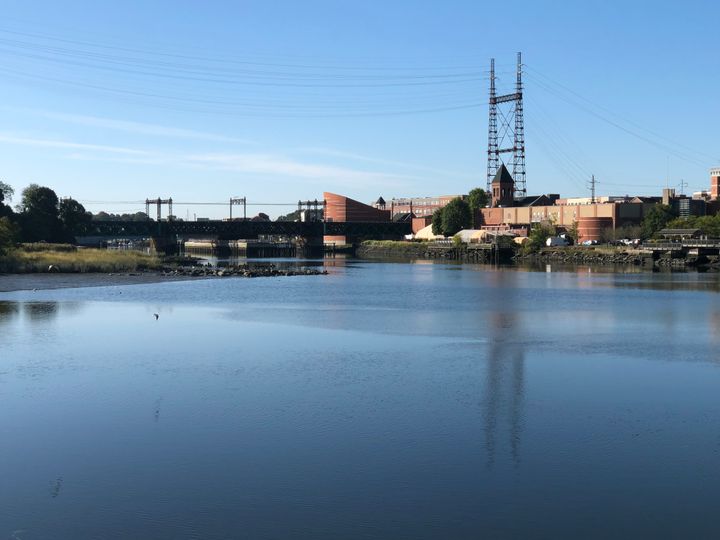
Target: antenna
x=683 y=185
x=512 y=128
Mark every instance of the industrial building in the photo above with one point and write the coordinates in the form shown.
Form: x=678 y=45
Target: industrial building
x=339 y=208
x=592 y=215
x=417 y=206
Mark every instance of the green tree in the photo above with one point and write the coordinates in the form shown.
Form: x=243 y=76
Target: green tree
x=477 y=199
x=6 y=193
x=574 y=232
x=291 y=216
x=709 y=225
x=8 y=234
x=539 y=235
x=39 y=218
x=104 y=216
x=455 y=217
x=73 y=217
x=437 y=221
x=39 y=200
x=656 y=219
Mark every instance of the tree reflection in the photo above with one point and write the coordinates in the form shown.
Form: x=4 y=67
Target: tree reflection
x=8 y=311
x=40 y=311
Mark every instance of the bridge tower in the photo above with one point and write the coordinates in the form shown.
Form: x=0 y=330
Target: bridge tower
x=159 y=203
x=508 y=109
x=239 y=200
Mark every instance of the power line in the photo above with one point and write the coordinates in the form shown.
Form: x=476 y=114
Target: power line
x=663 y=147
x=623 y=118
x=234 y=60
x=183 y=203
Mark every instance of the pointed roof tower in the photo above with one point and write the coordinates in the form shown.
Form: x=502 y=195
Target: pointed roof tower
x=503 y=187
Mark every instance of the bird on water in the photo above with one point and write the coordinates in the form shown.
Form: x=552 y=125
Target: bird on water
x=156 y=316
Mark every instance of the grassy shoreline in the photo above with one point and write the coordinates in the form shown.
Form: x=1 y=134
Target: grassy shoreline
x=63 y=258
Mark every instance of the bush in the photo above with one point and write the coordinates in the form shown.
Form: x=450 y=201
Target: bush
x=538 y=236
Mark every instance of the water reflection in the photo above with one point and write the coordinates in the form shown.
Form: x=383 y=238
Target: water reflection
x=505 y=373
x=504 y=387
x=40 y=311
x=8 y=311
x=37 y=312
x=463 y=400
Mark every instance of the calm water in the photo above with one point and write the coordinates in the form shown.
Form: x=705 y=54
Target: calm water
x=380 y=401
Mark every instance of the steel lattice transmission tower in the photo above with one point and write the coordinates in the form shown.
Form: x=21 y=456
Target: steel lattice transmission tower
x=508 y=109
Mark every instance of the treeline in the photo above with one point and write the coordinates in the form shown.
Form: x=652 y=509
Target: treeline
x=39 y=217
x=708 y=225
x=104 y=216
x=664 y=217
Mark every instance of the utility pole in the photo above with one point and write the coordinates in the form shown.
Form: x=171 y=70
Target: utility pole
x=511 y=130
x=592 y=189
x=683 y=185
x=519 y=135
x=493 y=161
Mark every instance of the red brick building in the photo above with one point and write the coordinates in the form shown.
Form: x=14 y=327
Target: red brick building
x=341 y=208
x=715 y=183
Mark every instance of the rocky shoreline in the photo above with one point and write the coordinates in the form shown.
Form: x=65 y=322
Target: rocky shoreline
x=242 y=270
x=587 y=256
x=422 y=250
x=628 y=257
x=572 y=256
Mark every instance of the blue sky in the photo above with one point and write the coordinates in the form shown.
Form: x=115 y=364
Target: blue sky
x=281 y=100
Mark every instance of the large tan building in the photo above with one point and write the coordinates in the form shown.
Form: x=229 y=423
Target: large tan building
x=565 y=215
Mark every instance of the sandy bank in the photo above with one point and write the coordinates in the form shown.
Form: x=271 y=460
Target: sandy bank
x=28 y=282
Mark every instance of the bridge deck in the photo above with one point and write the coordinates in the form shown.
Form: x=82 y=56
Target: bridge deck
x=244 y=229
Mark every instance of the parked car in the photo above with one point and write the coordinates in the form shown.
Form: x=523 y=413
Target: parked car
x=556 y=241
x=590 y=243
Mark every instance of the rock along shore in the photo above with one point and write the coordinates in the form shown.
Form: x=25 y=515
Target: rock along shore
x=242 y=270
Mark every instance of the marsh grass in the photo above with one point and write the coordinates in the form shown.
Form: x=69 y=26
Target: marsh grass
x=44 y=246
x=22 y=260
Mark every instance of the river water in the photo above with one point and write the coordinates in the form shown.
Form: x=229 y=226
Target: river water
x=383 y=400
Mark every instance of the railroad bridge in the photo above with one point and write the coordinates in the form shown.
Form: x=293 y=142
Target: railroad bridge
x=167 y=234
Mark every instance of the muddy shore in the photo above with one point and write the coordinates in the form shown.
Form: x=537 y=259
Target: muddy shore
x=29 y=282
x=50 y=280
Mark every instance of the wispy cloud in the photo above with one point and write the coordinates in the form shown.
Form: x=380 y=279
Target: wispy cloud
x=50 y=143
x=140 y=128
x=268 y=164
x=282 y=166
x=387 y=162
x=249 y=163
x=140 y=160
